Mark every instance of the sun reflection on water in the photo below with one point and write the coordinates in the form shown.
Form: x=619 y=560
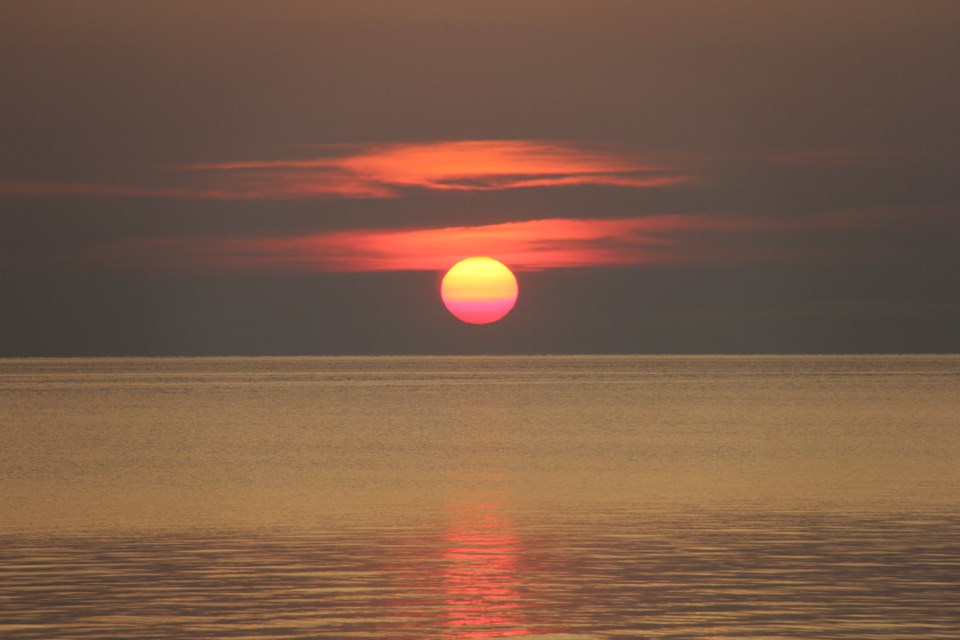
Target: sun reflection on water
x=480 y=574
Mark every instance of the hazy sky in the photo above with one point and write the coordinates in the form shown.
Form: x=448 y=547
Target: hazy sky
x=279 y=177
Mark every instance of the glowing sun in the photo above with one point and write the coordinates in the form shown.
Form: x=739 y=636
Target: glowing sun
x=479 y=290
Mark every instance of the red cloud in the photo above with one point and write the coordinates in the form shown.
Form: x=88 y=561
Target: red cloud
x=279 y=187
x=527 y=246
x=465 y=165
x=543 y=244
x=384 y=171
x=546 y=243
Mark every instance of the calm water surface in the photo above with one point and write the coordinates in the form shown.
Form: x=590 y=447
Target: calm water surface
x=535 y=497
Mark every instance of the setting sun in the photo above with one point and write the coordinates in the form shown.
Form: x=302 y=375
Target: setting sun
x=479 y=290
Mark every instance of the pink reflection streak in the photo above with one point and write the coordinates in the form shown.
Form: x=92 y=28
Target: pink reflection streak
x=481 y=585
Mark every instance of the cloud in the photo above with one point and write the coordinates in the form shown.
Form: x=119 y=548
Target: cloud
x=472 y=165
x=280 y=187
x=368 y=171
x=527 y=245
x=389 y=171
x=919 y=232
x=40 y=188
x=552 y=243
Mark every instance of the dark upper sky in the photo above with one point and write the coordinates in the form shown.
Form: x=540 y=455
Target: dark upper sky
x=282 y=177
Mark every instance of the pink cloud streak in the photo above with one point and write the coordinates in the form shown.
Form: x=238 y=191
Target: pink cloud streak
x=529 y=245
x=540 y=244
x=388 y=171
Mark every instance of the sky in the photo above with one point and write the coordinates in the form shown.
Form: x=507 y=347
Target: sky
x=294 y=178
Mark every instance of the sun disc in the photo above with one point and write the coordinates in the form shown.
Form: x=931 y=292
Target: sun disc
x=479 y=290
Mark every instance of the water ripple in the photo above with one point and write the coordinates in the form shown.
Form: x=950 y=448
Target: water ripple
x=485 y=572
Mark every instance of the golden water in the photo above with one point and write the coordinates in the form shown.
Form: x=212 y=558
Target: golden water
x=543 y=497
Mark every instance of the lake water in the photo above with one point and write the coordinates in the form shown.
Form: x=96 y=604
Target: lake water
x=475 y=497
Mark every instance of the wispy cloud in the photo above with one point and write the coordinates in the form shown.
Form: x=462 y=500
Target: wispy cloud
x=920 y=231
x=552 y=243
x=465 y=166
x=40 y=188
x=390 y=170
x=367 y=171
x=527 y=245
x=279 y=187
